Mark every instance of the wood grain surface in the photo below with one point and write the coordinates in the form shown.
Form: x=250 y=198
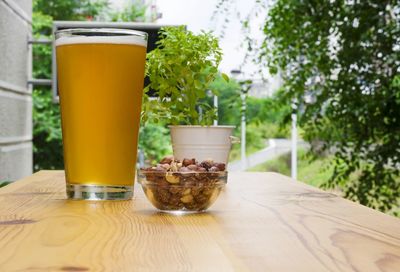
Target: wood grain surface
x=261 y=222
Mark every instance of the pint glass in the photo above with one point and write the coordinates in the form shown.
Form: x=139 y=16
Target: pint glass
x=100 y=74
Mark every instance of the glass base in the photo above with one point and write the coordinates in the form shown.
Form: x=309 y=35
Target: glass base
x=181 y=212
x=99 y=192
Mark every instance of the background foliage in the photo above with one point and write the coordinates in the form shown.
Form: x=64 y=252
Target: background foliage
x=340 y=63
x=263 y=116
x=70 y=9
x=134 y=12
x=264 y=113
x=47 y=143
x=154 y=142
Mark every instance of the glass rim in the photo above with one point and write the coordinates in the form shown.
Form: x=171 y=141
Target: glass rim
x=101 y=31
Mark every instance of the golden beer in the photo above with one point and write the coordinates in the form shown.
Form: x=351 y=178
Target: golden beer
x=100 y=83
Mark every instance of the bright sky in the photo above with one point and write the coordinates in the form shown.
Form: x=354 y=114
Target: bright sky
x=196 y=14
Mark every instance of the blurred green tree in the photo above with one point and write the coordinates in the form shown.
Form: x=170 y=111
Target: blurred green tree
x=70 y=9
x=263 y=114
x=154 y=141
x=130 y=13
x=340 y=62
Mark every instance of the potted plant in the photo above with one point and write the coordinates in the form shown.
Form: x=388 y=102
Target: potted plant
x=180 y=70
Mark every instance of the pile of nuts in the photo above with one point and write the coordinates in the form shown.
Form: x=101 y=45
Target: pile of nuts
x=183 y=185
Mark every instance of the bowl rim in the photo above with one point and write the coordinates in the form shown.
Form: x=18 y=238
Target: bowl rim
x=177 y=172
x=218 y=184
x=222 y=178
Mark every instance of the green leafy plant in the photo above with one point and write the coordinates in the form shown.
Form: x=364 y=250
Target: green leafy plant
x=180 y=70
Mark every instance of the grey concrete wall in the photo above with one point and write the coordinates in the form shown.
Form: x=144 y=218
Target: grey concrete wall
x=15 y=94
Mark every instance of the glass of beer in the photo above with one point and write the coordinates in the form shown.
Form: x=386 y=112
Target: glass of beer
x=100 y=75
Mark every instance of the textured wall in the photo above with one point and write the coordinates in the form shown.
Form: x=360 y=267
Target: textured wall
x=15 y=95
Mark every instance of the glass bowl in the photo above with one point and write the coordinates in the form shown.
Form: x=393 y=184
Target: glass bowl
x=182 y=192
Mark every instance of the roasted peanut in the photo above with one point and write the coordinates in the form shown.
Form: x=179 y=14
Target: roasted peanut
x=172 y=178
x=187 y=198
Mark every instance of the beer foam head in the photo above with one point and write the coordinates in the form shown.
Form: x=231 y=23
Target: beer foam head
x=126 y=39
x=100 y=35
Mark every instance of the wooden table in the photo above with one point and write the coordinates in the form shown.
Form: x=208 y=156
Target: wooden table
x=261 y=222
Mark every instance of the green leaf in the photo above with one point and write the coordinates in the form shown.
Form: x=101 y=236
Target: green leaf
x=225 y=77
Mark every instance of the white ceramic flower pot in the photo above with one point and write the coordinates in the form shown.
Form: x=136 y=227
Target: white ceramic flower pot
x=201 y=143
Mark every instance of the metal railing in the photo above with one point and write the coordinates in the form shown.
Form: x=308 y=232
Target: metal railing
x=39 y=81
